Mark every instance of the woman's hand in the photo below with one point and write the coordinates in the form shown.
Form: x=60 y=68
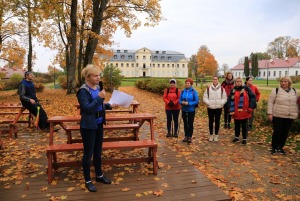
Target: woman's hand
x=270 y=117
x=101 y=94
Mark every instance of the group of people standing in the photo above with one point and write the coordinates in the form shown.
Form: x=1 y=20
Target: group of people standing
x=239 y=100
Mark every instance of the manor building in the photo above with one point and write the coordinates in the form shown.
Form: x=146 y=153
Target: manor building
x=150 y=63
x=272 y=69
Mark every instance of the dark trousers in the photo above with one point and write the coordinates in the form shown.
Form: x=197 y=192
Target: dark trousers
x=214 y=116
x=92 y=142
x=33 y=110
x=227 y=116
x=237 y=128
x=188 y=122
x=281 y=127
x=250 y=120
x=172 y=115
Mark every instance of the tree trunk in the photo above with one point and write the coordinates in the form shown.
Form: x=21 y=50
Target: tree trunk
x=29 y=56
x=72 y=68
x=99 y=7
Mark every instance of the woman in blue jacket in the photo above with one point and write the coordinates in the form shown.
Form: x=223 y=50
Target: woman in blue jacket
x=92 y=110
x=189 y=101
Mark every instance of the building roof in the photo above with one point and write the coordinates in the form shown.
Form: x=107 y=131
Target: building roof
x=272 y=63
x=10 y=71
x=156 y=55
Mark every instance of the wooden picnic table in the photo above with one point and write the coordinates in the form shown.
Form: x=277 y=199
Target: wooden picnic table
x=139 y=117
x=134 y=106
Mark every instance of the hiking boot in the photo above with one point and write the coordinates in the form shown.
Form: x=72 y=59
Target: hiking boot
x=273 y=151
x=229 y=126
x=211 y=138
x=244 y=142
x=168 y=135
x=281 y=151
x=189 y=140
x=216 y=138
x=225 y=125
x=235 y=140
x=184 y=139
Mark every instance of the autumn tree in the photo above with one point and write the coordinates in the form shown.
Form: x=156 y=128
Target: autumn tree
x=246 y=67
x=262 y=56
x=279 y=48
x=207 y=65
x=192 y=66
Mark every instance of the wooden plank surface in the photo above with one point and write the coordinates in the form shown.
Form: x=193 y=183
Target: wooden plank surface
x=177 y=178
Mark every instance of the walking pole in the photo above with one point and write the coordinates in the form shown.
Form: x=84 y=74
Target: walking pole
x=37 y=121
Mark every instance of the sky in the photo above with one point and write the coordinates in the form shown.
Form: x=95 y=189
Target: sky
x=230 y=29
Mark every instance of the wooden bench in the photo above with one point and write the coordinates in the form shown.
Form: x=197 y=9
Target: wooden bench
x=70 y=128
x=150 y=144
x=1 y=142
x=12 y=114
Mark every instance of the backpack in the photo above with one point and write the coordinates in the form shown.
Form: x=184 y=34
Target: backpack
x=222 y=89
x=194 y=98
x=168 y=91
x=292 y=88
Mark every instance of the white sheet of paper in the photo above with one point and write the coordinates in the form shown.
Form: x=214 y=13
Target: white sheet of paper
x=121 y=98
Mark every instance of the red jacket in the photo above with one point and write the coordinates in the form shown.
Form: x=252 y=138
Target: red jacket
x=245 y=112
x=172 y=96
x=228 y=85
x=255 y=91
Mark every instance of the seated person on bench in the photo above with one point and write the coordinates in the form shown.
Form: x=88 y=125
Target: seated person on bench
x=28 y=98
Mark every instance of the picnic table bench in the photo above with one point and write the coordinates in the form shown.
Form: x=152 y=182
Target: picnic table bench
x=52 y=149
x=11 y=114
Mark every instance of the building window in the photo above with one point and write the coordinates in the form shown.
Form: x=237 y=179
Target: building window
x=172 y=65
x=259 y=74
x=137 y=65
x=127 y=64
x=169 y=58
x=177 y=65
x=164 y=52
x=144 y=57
x=168 y=65
x=121 y=64
x=236 y=74
x=116 y=64
x=279 y=73
x=118 y=51
x=155 y=57
x=274 y=73
x=125 y=51
x=163 y=65
x=153 y=65
x=122 y=56
x=264 y=73
x=129 y=57
x=286 y=73
x=296 y=73
x=239 y=73
x=115 y=56
x=157 y=52
x=132 y=64
x=182 y=65
x=162 y=58
x=158 y=65
x=269 y=74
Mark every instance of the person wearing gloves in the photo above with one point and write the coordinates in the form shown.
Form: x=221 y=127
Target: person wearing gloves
x=215 y=98
x=241 y=103
x=189 y=101
x=171 y=98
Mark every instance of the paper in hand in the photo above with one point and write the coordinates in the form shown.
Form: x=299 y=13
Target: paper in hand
x=121 y=98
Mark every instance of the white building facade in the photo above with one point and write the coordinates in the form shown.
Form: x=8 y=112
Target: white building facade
x=148 y=63
x=272 y=69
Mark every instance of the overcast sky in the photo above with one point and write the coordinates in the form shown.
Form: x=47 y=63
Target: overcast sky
x=231 y=29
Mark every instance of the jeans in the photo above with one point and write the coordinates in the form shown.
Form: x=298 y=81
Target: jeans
x=172 y=114
x=214 y=116
x=92 y=142
x=188 y=122
x=281 y=127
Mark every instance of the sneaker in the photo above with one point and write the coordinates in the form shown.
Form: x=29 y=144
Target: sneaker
x=184 y=139
x=189 y=140
x=175 y=135
x=216 y=138
x=210 y=138
x=281 y=151
x=235 y=140
x=229 y=126
x=273 y=151
x=225 y=125
x=168 y=135
x=244 y=142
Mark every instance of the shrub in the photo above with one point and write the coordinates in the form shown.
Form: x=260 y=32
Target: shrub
x=155 y=85
x=13 y=82
x=62 y=80
x=39 y=87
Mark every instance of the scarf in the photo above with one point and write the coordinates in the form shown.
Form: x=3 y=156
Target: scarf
x=241 y=99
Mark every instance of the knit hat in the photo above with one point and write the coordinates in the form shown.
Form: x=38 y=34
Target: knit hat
x=172 y=81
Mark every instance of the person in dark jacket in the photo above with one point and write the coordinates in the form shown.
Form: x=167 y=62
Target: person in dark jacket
x=228 y=85
x=241 y=103
x=188 y=100
x=171 y=98
x=92 y=108
x=27 y=94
